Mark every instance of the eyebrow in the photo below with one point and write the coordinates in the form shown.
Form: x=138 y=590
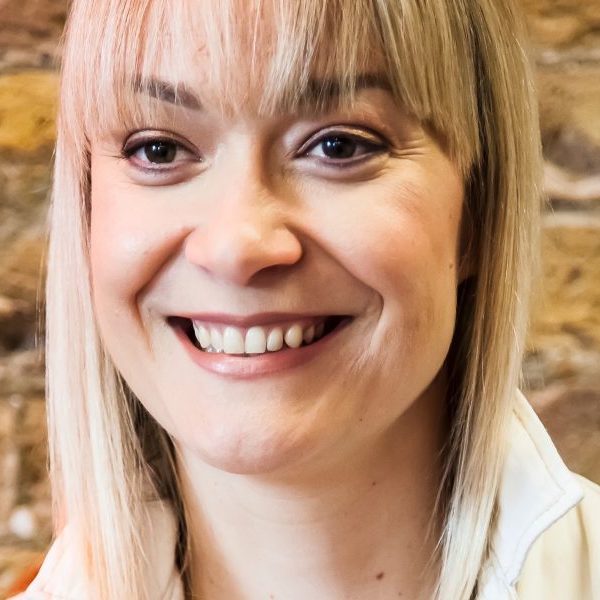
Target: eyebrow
x=323 y=91
x=179 y=95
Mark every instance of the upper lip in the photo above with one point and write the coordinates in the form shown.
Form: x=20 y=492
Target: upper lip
x=264 y=318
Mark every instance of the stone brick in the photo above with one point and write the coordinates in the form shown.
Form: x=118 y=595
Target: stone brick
x=25 y=24
x=9 y=460
x=572 y=416
x=563 y=361
x=564 y=339
x=22 y=374
x=33 y=455
x=570 y=115
x=27 y=110
x=563 y=22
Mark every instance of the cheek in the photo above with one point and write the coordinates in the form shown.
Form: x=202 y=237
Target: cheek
x=116 y=241
x=131 y=237
x=400 y=237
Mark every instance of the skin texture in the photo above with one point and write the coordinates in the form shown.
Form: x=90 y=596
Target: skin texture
x=317 y=481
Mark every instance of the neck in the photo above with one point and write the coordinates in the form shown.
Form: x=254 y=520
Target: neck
x=364 y=528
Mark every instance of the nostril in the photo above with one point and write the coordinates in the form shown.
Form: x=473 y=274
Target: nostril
x=239 y=248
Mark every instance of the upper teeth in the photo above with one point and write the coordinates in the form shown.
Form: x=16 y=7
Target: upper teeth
x=256 y=339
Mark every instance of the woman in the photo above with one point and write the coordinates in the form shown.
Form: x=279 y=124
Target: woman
x=288 y=279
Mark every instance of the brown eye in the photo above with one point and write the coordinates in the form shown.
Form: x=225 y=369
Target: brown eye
x=155 y=158
x=160 y=151
x=157 y=153
x=338 y=147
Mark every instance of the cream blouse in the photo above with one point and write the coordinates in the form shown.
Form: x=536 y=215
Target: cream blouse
x=545 y=545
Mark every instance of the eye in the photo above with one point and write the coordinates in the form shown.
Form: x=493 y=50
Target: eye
x=155 y=153
x=344 y=147
x=160 y=151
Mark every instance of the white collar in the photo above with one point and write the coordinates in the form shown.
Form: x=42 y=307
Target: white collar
x=536 y=489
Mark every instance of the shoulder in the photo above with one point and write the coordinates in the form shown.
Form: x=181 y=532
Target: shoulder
x=564 y=562
x=63 y=574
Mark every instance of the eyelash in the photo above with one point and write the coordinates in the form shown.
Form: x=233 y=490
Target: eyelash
x=373 y=145
x=128 y=151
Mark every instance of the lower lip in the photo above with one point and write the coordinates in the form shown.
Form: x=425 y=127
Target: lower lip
x=250 y=367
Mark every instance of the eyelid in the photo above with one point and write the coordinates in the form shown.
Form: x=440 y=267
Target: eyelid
x=360 y=133
x=133 y=144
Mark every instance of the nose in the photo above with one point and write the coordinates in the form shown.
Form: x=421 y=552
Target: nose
x=246 y=236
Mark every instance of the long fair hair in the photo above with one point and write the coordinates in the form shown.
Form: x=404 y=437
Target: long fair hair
x=459 y=67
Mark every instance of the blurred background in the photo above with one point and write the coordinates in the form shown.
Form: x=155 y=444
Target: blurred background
x=562 y=365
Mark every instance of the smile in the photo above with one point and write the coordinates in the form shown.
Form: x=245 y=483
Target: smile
x=246 y=349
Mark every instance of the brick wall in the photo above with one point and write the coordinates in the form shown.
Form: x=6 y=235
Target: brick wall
x=563 y=362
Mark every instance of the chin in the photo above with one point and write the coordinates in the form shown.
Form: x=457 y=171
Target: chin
x=246 y=452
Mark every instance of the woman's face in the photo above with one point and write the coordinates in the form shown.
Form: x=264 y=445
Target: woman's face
x=250 y=235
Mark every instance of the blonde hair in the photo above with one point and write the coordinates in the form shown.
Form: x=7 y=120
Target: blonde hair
x=459 y=67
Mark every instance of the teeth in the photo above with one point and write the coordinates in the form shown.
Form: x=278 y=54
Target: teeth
x=232 y=340
x=309 y=334
x=293 y=336
x=256 y=341
x=202 y=335
x=216 y=339
x=275 y=340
